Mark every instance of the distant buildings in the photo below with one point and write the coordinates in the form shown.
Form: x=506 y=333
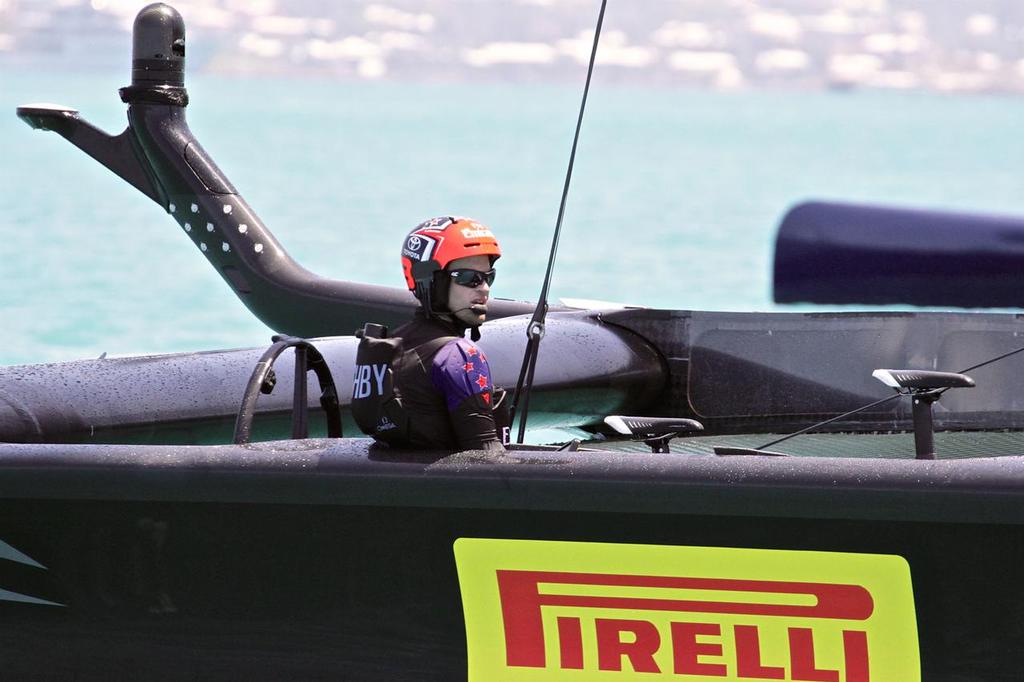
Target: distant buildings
x=970 y=45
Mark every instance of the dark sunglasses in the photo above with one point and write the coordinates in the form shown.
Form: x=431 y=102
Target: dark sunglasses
x=472 y=278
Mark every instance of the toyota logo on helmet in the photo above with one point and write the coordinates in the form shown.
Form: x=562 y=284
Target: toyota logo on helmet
x=413 y=243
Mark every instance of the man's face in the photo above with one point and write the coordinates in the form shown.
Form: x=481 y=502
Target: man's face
x=469 y=305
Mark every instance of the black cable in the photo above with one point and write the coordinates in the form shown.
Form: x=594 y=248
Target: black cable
x=528 y=358
x=982 y=364
x=535 y=330
x=829 y=421
x=526 y=396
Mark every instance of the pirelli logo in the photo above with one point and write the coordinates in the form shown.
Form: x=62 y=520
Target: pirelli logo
x=590 y=611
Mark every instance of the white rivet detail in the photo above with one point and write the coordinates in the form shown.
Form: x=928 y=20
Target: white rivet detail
x=202 y=246
x=188 y=228
x=195 y=209
x=171 y=208
x=209 y=227
x=243 y=228
x=227 y=208
x=259 y=248
x=224 y=247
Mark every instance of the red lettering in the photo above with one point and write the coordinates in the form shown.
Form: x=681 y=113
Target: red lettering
x=855 y=649
x=640 y=652
x=748 y=656
x=521 y=602
x=801 y=657
x=520 y=611
x=570 y=643
x=686 y=649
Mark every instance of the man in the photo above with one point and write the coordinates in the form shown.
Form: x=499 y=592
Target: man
x=435 y=391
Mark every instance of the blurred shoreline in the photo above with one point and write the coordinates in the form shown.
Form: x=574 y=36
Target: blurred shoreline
x=972 y=46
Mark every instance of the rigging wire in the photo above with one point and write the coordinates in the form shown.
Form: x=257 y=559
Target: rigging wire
x=884 y=400
x=535 y=330
x=829 y=421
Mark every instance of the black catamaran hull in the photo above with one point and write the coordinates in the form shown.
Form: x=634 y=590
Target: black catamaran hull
x=326 y=560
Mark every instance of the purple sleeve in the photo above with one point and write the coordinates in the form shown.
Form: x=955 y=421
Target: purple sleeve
x=459 y=371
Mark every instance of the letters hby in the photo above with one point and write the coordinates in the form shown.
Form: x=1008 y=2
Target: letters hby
x=368 y=379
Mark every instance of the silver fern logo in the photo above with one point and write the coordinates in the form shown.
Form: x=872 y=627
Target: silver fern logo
x=9 y=553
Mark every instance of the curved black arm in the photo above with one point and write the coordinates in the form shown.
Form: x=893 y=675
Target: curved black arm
x=158 y=155
x=307 y=358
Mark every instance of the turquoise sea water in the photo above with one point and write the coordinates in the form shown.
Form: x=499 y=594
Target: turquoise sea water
x=674 y=202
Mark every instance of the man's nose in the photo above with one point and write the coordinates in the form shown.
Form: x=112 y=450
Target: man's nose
x=484 y=287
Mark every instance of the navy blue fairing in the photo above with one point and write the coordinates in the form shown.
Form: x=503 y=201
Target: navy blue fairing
x=848 y=253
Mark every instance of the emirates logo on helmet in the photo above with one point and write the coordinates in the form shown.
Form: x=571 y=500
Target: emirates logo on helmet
x=476 y=231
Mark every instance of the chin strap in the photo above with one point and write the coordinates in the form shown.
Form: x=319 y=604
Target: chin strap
x=449 y=317
x=422 y=293
x=436 y=290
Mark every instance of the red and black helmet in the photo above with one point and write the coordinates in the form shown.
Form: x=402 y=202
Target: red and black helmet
x=433 y=244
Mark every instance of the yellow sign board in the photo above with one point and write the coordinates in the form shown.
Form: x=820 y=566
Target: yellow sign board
x=540 y=610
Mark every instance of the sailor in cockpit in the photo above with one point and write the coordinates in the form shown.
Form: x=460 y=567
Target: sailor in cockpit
x=426 y=386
